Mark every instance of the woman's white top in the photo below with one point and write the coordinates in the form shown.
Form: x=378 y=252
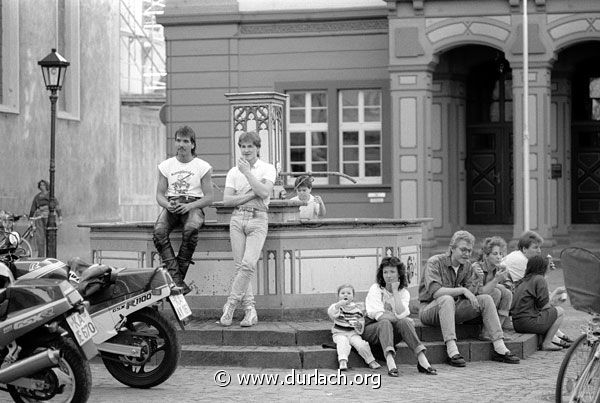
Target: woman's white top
x=380 y=300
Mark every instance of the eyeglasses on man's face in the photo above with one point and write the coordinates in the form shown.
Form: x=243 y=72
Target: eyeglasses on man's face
x=465 y=251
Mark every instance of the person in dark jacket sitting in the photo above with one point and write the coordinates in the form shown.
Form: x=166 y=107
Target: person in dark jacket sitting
x=534 y=309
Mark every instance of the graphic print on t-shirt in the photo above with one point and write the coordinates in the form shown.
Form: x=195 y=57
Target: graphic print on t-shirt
x=182 y=183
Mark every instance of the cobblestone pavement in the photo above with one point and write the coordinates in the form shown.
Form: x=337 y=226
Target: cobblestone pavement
x=531 y=381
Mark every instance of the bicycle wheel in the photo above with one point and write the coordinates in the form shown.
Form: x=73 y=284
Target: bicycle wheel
x=25 y=249
x=32 y=244
x=588 y=389
x=572 y=367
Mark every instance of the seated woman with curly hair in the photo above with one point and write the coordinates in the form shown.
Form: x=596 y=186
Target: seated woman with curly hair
x=493 y=277
x=387 y=320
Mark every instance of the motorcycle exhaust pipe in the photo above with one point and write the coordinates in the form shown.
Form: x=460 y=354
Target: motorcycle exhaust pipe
x=29 y=366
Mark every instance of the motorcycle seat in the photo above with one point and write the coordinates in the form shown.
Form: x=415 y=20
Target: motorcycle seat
x=94 y=271
x=94 y=278
x=126 y=282
x=78 y=265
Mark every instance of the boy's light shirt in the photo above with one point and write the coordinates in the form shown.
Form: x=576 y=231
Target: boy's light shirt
x=311 y=210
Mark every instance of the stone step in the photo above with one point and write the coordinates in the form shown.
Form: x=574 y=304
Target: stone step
x=315 y=356
x=291 y=333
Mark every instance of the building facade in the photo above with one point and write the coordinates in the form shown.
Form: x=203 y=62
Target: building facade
x=86 y=33
x=109 y=138
x=420 y=101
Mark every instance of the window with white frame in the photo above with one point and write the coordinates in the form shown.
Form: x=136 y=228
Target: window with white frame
x=338 y=127
x=360 y=118
x=9 y=56
x=308 y=133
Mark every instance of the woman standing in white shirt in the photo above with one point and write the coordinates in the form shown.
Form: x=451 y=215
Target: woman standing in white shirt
x=387 y=320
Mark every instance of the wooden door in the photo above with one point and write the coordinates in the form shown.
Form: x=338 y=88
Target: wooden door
x=489 y=175
x=585 y=143
x=585 y=187
x=490 y=182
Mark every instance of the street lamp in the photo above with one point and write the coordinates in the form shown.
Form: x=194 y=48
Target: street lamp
x=54 y=68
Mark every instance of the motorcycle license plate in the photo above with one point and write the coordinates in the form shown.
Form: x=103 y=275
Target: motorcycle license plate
x=82 y=326
x=182 y=309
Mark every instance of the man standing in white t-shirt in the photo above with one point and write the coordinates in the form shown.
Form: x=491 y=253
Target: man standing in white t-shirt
x=248 y=188
x=184 y=189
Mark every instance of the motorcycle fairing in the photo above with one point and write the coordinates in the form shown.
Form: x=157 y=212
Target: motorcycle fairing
x=109 y=318
x=43 y=267
x=122 y=284
x=28 y=304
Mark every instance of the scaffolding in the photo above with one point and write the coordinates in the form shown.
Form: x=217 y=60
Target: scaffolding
x=143 y=67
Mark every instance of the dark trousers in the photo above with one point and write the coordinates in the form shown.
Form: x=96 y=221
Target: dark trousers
x=166 y=222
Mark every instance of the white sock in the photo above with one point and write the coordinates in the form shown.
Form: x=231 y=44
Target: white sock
x=556 y=339
x=423 y=360
x=451 y=348
x=500 y=347
x=389 y=360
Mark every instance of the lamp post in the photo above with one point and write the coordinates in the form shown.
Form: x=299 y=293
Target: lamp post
x=525 y=118
x=54 y=68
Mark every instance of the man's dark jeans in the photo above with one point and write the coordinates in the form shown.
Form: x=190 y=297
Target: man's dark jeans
x=166 y=222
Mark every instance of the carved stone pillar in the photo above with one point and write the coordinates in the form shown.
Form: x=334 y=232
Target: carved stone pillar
x=412 y=149
x=262 y=112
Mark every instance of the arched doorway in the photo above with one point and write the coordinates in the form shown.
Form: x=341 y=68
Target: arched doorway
x=489 y=166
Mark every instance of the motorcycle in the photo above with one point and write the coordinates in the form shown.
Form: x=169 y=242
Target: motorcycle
x=137 y=343
x=46 y=340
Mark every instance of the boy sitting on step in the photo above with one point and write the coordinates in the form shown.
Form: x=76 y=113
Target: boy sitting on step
x=348 y=324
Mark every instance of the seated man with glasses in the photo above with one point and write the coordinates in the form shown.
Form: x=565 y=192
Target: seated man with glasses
x=448 y=295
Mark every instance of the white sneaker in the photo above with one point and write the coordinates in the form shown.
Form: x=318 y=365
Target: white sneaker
x=227 y=317
x=250 y=318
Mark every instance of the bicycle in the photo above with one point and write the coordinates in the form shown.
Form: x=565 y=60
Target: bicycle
x=7 y=221
x=579 y=374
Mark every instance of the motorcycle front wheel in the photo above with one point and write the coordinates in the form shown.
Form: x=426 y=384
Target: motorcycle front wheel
x=157 y=338
x=69 y=382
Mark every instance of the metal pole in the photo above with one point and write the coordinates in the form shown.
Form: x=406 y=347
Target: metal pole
x=51 y=224
x=525 y=119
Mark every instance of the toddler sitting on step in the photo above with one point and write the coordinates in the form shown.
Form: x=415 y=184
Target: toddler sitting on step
x=348 y=324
